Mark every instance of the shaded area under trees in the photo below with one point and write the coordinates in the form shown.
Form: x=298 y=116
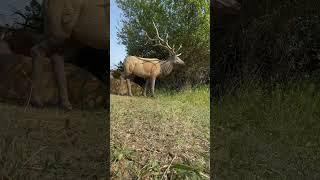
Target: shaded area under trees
x=270 y=42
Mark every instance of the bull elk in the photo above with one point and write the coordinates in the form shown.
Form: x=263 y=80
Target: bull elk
x=151 y=68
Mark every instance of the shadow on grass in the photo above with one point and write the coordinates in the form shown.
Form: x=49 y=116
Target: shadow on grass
x=268 y=135
x=50 y=144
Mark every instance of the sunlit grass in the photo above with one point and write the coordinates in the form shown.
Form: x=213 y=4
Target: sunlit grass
x=167 y=136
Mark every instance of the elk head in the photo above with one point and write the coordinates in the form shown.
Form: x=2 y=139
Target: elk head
x=174 y=56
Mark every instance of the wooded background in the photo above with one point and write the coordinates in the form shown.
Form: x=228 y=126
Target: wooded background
x=187 y=22
x=269 y=42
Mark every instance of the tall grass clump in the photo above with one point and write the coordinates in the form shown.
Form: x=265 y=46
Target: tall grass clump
x=193 y=104
x=268 y=134
x=198 y=96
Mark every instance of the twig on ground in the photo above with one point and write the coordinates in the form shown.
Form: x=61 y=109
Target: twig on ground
x=165 y=172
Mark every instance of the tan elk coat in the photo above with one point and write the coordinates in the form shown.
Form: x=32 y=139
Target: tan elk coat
x=142 y=67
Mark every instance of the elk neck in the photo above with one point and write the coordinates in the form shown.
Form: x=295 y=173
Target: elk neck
x=166 y=68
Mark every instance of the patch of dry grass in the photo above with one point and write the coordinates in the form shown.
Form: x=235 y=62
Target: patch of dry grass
x=51 y=144
x=162 y=137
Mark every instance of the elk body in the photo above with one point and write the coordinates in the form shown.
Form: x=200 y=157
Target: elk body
x=150 y=68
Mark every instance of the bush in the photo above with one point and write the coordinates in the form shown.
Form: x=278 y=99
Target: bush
x=273 y=41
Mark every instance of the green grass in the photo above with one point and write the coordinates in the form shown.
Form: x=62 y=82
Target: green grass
x=260 y=135
x=162 y=137
x=51 y=144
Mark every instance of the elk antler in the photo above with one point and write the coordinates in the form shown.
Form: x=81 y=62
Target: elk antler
x=162 y=42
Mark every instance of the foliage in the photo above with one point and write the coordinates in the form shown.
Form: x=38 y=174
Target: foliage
x=186 y=22
x=270 y=41
x=119 y=66
x=116 y=72
x=31 y=17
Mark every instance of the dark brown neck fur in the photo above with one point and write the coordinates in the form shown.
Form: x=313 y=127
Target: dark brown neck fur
x=166 y=68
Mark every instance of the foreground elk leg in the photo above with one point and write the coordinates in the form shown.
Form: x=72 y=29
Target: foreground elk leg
x=58 y=65
x=129 y=87
x=145 y=88
x=38 y=53
x=120 y=88
x=153 y=82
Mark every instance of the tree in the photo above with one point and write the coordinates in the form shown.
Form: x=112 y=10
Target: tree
x=187 y=22
x=31 y=17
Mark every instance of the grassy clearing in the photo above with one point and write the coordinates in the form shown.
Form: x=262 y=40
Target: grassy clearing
x=162 y=137
x=51 y=144
x=275 y=135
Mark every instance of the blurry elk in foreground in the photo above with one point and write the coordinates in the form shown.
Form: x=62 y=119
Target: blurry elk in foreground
x=151 y=68
x=68 y=26
x=85 y=90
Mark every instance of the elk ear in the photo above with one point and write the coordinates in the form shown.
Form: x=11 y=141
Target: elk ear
x=179 y=54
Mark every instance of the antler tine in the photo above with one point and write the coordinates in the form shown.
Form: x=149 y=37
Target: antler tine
x=167 y=43
x=148 y=37
x=178 y=50
x=158 y=44
x=154 y=25
x=179 y=47
x=161 y=42
x=166 y=46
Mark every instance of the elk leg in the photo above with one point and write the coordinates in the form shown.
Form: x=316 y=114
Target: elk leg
x=129 y=87
x=58 y=65
x=145 y=88
x=38 y=53
x=120 y=88
x=153 y=82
